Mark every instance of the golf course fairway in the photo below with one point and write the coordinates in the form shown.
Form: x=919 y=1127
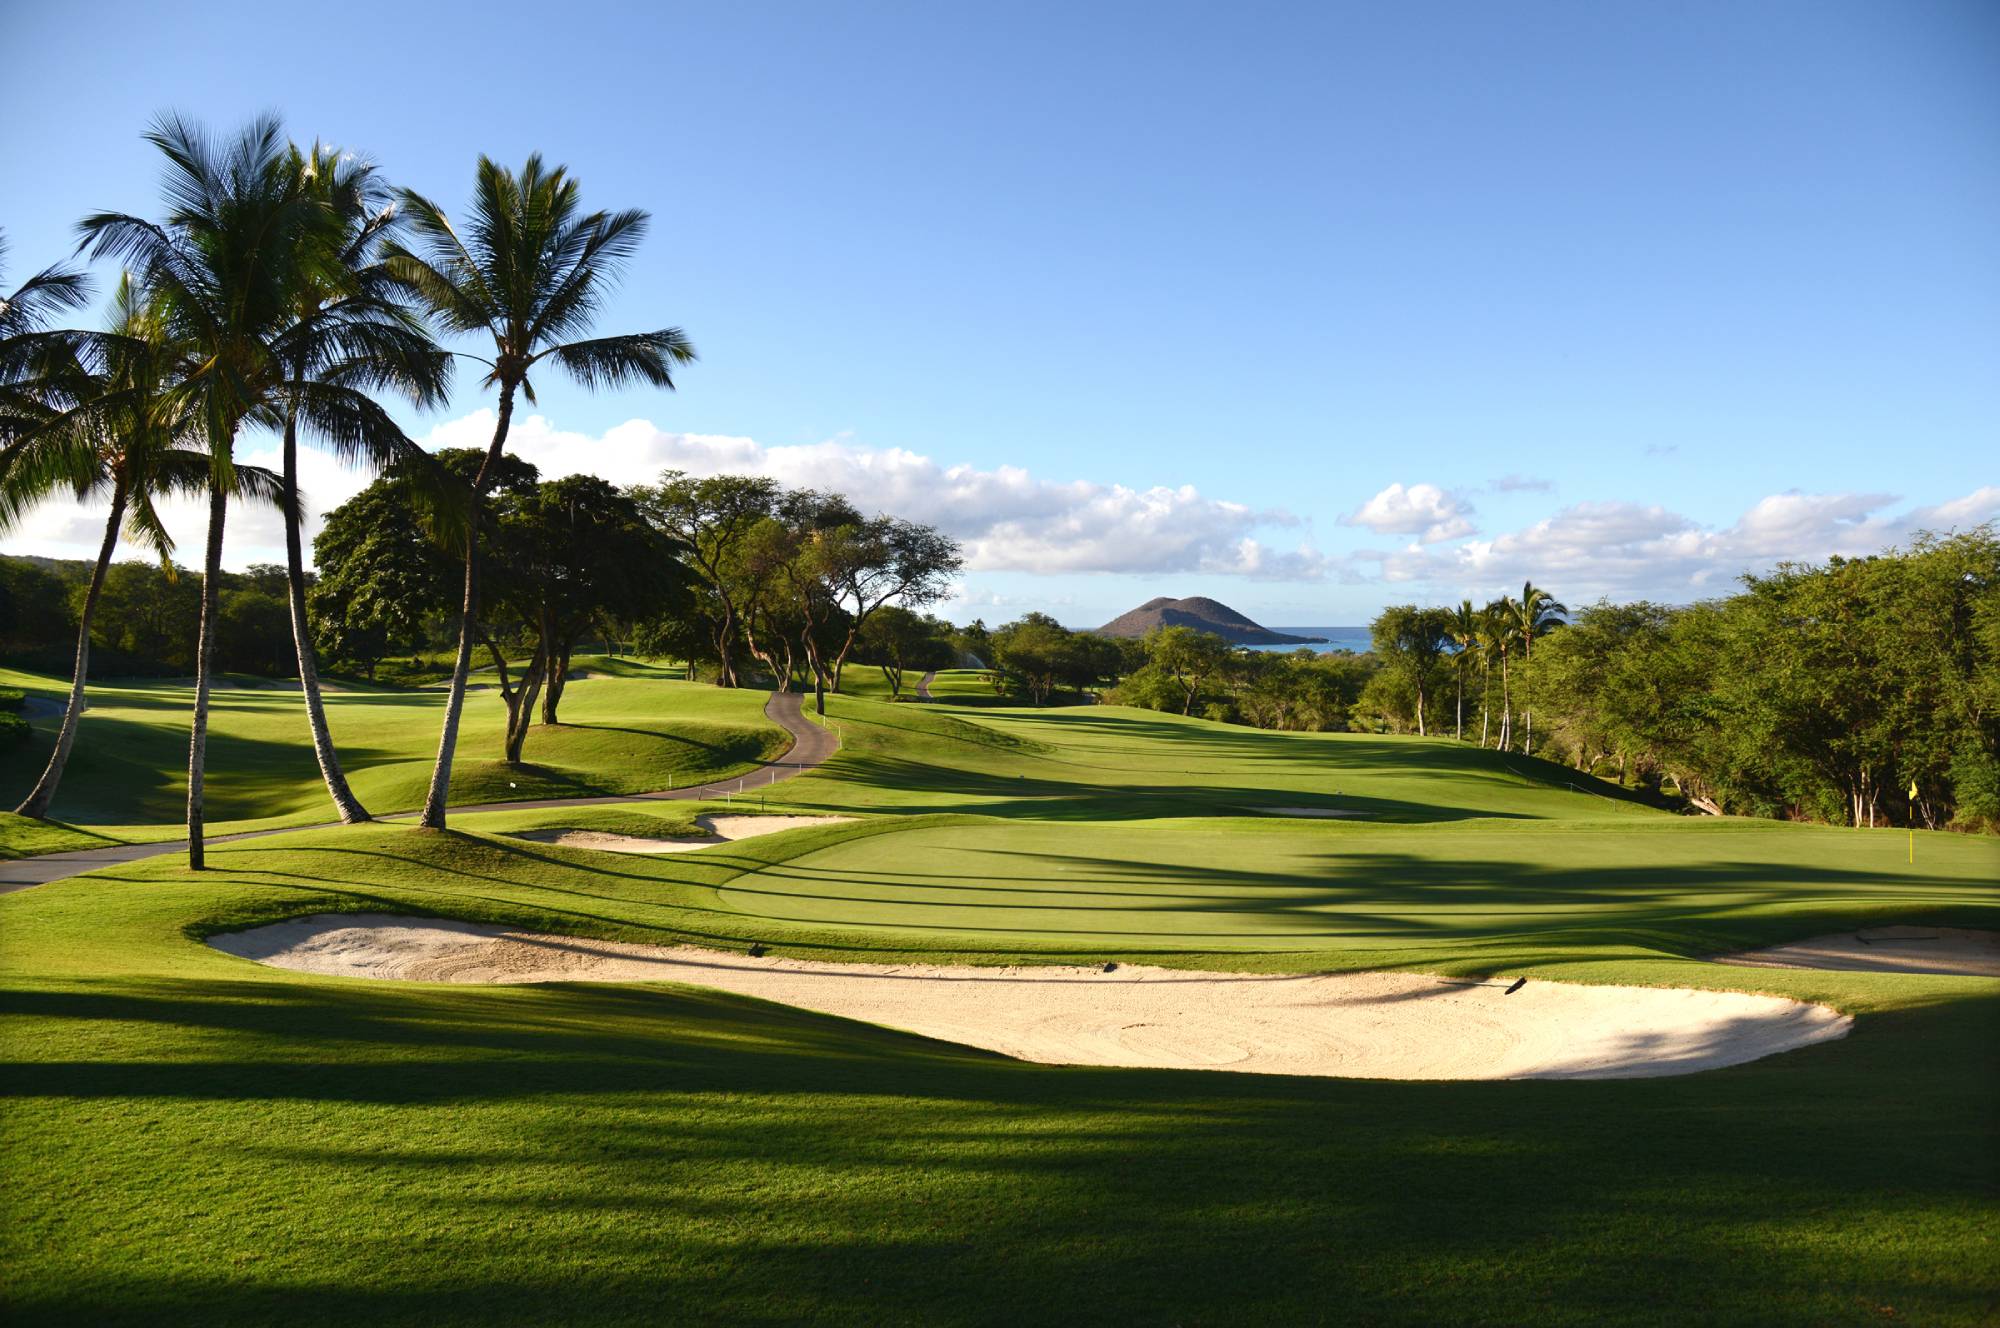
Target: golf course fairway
x=194 y=1136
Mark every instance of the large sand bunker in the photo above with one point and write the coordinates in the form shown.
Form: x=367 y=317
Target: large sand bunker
x=1356 y=1025
x=1956 y=951
x=717 y=830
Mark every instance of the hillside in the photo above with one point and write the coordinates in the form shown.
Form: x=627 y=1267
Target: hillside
x=1203 y=614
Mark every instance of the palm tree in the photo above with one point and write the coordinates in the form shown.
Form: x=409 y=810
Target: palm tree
x=1502 y=630
x=1464 y=633
x=531 y=271
x=28 y=345
x=350 y=331
x=113 y=423
x=1535 y=613
x=245 y=233
x=1490 y=635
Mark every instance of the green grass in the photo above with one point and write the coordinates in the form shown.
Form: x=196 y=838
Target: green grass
x=193 y=1138
x=22 y=837
x=1105 y=762
x=965 y=685
x=627 y=728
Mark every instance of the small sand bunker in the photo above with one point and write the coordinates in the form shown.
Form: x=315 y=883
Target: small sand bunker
x=719 y=830
x=1956 y=951
x=1354 y=1025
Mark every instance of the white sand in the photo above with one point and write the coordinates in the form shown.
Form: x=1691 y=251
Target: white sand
x=720 y=830
x=1949 y=950
x=1357 y=1025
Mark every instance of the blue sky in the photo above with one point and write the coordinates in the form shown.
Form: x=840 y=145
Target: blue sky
x=1308 y=308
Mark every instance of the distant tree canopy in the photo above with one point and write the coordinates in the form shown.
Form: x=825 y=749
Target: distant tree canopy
x=900 y=641
x=1822 y=691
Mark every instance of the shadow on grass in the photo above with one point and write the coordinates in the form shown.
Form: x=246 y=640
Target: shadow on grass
x=627 y=1155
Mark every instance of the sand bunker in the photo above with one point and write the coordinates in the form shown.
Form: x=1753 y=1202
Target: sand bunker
x=1949 y=950
x=720 y=830
x=1357 y=1025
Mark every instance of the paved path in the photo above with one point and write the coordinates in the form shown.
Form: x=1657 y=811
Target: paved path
x=811 y=746
x=924 y=686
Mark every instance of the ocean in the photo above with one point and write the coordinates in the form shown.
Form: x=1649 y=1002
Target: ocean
x=1337 y=638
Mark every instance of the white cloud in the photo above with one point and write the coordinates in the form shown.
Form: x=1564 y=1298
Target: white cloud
x=1632 y=549
x=1008 y=519
x=1423 y=510
x=1522 y=484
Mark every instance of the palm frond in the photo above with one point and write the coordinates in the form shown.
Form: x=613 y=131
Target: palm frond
x=647 y=357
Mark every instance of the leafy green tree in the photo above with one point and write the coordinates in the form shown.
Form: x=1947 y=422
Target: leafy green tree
x=151 y=613
x=1033 y=654
x=712 y=518
x=530 y=273
x=385 y=566
x=869 y=563
x=1412 y=641
x=568 y=552
x=899 y=640
x=1189 y=656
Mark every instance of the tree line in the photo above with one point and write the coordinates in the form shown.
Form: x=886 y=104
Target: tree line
x=288 y=288
x=1863 y=691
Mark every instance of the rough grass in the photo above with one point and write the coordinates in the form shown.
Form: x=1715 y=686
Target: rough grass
x=194 y=1138
x=628 y=728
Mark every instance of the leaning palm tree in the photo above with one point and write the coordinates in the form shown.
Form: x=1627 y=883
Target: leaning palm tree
x=351 y=331
x=530 y=272
x=244 y=234
x=1536 y=613
x=113 y=424
x=1464 y=634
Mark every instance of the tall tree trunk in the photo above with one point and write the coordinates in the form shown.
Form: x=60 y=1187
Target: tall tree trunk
x=558 y=675
x=204 y=671
x=1458 y=730
x=344 y=801
x=454 y=702
x=522 y=706
x=1528 y=694
x=1506 y=707
x=725 y=642
x=1485 y=702
x=36 y=804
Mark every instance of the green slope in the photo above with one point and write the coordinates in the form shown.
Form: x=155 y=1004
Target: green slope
x=627 y=728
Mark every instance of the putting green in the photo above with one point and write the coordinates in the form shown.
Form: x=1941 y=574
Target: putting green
x=1367 y=895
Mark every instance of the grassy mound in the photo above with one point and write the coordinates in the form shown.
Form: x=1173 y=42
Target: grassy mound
x=631 y=733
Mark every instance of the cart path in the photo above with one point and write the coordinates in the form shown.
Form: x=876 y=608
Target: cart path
x=811 y=746
x=924 y=686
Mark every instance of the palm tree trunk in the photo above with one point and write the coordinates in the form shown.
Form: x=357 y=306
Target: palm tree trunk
x=1506 y=708
x=344 y=801
x=454 y=701
x=1528 y=694
x=1485 y=701
x=36 y=804
x=204 y=670
x=1458 y=730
